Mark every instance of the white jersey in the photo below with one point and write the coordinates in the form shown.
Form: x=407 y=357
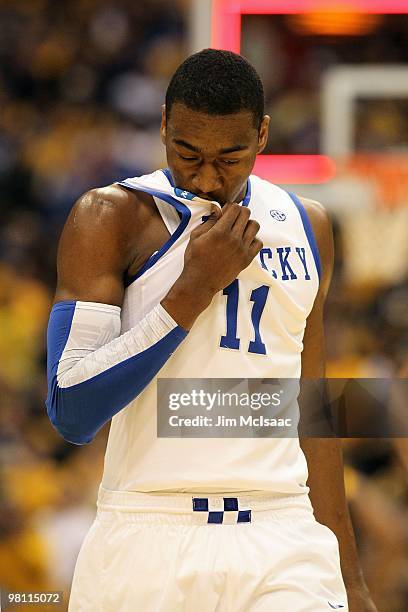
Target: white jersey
x=254 y=329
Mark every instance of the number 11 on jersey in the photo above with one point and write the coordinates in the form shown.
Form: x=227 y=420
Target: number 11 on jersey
x=258 y=297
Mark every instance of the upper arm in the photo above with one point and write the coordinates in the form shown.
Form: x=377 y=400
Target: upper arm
x=313 y=354
x=94 y=248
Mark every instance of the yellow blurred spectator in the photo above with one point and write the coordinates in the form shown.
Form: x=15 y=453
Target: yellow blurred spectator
x=24 y=307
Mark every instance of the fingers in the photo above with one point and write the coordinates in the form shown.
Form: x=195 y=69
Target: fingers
x=205 y=227
x=255 y=246
x=230 y=213
x=241 y=221
x=216 y=210
x=215 y=214
x=234 y=221
x=251 y=230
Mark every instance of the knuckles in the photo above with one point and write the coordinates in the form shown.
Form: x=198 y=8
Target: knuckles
x=228 y=245
x=244 y=211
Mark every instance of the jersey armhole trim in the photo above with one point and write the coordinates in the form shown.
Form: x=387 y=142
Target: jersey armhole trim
x=308 y=231
x=185 y=218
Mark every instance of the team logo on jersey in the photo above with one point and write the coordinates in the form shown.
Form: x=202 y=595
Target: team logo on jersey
x=182 y=193
x=278 y=215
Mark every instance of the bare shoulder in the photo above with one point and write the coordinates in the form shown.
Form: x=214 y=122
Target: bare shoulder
x=98 y=243
x=320 y=221
x=100 y=217
x=109 y=213
x=110 y=204
x=318 y=215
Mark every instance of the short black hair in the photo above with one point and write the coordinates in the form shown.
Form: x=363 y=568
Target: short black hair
x=217 y=82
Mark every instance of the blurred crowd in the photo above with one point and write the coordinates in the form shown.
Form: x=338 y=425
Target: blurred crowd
x=81 y=88
x=296 y=65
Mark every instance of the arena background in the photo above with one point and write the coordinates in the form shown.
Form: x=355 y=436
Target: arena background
x=81 y=85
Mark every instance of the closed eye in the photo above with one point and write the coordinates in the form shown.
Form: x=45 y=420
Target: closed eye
x=230 y=162
x=187 y=158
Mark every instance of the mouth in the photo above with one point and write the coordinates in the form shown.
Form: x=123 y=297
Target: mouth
x=204 y=196
x=211 y=198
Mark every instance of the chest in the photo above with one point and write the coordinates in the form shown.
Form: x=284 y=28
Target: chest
x=280 y=284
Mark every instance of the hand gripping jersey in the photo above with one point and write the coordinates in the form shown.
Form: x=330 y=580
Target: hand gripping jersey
x=252 y=329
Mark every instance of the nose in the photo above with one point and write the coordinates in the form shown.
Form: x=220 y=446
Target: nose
x=207 y=179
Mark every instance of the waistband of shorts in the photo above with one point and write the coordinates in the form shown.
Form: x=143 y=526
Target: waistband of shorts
x=182 y=503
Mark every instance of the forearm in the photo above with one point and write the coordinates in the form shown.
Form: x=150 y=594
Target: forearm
x=326 y=481
x=93 y=371
x=185 y=305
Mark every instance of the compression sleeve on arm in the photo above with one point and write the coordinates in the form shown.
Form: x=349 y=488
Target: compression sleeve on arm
x=93 y=371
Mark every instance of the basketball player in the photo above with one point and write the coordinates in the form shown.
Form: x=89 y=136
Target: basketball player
x=197 y=271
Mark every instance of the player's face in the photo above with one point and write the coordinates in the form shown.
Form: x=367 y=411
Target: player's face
x=212 y=155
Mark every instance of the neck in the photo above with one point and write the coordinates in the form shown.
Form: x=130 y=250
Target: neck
x=242 y=193
x=235 y=199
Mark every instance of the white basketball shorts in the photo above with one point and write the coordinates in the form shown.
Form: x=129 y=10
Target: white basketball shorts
x=207 y=553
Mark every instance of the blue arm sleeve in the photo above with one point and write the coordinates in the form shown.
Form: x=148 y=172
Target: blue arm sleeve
x=79 y=410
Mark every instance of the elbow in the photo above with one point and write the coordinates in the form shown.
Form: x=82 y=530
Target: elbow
x=73 y=436
x=73 y=433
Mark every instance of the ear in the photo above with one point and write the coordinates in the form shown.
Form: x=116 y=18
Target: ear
x=263 y=134
x=163 y=125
